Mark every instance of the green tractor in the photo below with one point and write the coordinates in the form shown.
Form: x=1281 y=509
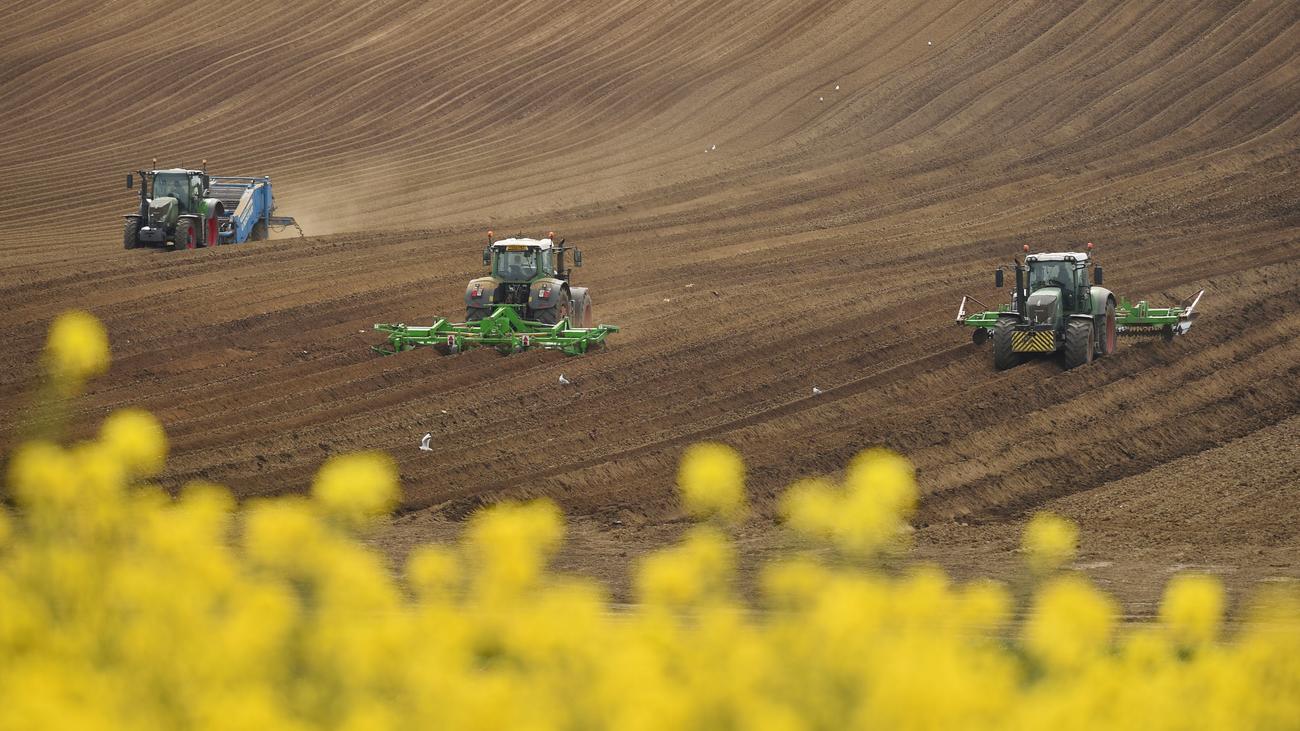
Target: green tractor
x=1058 y=306
x=530 y=275
x=175 y=210
x=526 y=303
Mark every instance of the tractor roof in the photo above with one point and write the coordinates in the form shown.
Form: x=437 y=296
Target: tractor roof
x=182 y=171
x=538 y=243
x=1059 y=256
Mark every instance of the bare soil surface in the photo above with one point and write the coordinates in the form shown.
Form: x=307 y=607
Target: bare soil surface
x=874 y=161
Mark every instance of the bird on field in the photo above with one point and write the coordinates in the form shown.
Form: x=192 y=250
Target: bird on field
x=424 y=443
x=817 y=391
x=563 y=381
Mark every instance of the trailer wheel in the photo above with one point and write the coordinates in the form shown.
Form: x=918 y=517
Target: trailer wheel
x=259 y=232
x=1003 y=356
x=1107 y=334
x=131 y=233
x=562 y=309
x=184 y=238
x=1078 y=343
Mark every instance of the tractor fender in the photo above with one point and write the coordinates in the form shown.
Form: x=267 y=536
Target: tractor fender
x=481 y=292
x=545 y=293
x=1099 y=297
x=211 y=208
x=579 y=295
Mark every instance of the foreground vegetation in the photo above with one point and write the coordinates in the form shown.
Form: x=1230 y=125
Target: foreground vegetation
x=123 y=607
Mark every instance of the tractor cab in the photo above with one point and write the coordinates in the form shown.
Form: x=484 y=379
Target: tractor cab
x=1063 y=275
x=530 y=276
x=185 y=186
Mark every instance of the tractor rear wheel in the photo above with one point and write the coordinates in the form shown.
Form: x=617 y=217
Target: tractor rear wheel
x=474 y=314
x=1078 y=343
x=1107 y=337
x=563 y=308
x=1003 y=356
x=584 y=314
x=131 y=233
x=184 y=238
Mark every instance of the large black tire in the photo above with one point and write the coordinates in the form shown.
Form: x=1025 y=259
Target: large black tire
x=185 y=237
x=131 y=233
x=474 y=314
x=562 y=309
x=1107 y=333
x=1003 y=356
x=1078 y=343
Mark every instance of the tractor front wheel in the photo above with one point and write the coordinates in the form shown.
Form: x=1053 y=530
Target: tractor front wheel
x=131 y=233
x=1003 y=356
x=1078 y=343
x=562 y=309
x=184 y=238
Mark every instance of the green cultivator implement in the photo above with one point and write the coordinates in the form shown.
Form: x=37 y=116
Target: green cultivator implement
x=1058 y=306
x=504 y=330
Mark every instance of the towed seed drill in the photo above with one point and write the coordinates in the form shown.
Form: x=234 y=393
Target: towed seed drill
x=184 y=208
x=525 y=302
x=1056 y=309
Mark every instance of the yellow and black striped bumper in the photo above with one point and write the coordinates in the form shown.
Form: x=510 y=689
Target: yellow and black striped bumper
x=1043 y=341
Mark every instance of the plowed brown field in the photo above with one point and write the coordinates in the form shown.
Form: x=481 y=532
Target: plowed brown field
x=874 y=161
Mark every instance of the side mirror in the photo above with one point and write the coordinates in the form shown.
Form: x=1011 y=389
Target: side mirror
x=577 y=257
x=998 y=278
x=130 y=181
x=1096 y=275
x=487 y=256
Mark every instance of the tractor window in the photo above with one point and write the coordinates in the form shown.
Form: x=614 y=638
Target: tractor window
x=170 y=186
x=1050 y=274
x=515 y=266
x=547 y=262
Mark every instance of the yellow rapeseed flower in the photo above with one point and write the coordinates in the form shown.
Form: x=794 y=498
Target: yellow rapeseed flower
x=1070 y=622
x=137 y=439
x=1049 y=542
x=1193 y=608
x=433 y=573
x=357 y=488
x=77 y=348
x=712 y=481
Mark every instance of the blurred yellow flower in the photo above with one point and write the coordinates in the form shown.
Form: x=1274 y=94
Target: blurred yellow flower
x=1049 y=542
x=77 y=348
x=358 y=487
x=712 y=481
x=1070 y=622
x=1192 y=608
x=137 y=439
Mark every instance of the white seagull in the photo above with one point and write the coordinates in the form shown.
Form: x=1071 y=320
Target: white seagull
x=424 y=443
x=563 y=381
x=817 y=391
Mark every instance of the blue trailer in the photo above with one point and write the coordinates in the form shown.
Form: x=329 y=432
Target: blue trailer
x=248 y=207
x=185 y=209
